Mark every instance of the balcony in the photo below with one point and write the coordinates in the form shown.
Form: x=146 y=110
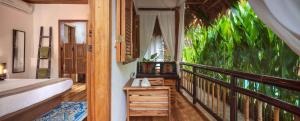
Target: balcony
x=211 y=93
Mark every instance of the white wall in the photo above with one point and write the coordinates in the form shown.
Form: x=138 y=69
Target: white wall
x=10 y=19
x=48 y=15
x=120 y=75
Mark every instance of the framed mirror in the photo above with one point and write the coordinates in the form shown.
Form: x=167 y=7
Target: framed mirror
x=18 y=65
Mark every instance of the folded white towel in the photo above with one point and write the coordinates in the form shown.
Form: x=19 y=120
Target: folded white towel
x=146 y=83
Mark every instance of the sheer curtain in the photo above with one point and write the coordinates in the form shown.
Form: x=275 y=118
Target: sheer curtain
x=181 y=33
x=155 y=47
x=282 y=16
x=147 y=22
x=167 y=25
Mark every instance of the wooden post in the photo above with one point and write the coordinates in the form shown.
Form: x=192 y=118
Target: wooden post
x=246 y=108
x=181 y=78
x=259 y=111
x=194 y=86
x=276 y=113
x=224 y=103
x=233 y=99
x=99 y=65
x=297 y=118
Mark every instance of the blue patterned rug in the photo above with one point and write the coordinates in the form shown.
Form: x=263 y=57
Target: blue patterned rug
x=66 y=111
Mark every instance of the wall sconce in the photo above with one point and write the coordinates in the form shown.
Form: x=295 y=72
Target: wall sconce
x=3 y=71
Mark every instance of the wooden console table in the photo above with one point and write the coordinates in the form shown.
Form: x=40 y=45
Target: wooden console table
x=148 y=101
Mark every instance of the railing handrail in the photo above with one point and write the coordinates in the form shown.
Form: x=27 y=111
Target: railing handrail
x=269 y=80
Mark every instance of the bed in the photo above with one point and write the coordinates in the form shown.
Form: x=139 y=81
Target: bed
x=27 y=99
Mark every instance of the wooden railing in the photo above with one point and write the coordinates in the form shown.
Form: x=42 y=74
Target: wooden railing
x=226 y=94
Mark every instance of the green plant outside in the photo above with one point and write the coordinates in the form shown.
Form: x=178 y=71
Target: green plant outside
x=240 y=41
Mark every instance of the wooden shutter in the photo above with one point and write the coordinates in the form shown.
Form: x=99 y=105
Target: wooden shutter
x=127 y=32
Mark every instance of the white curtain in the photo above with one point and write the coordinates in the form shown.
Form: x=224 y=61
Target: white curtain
x=181 y=37
x=181 y=33
x=155 y=47
x=167 y=25
x=283 y=17
x=147 y=23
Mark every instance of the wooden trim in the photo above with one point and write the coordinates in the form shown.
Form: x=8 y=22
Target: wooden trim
x=99 y=61
x=60 y=41
x=57 y=1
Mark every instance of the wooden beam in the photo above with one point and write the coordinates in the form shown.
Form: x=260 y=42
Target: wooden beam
x=99 y=61
x=177 y=19
x=157 y=9
x=57 y=1
x=214 y=4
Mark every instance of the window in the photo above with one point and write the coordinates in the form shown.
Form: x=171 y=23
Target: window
x=127 y=44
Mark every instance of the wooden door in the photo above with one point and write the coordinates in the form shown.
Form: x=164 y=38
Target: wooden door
x=73 y=56
x=68 y=56
x=80 y=62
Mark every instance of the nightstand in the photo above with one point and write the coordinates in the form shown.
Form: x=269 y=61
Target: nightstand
x=2 y=76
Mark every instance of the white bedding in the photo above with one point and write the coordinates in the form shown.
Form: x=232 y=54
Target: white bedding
x=25 y=99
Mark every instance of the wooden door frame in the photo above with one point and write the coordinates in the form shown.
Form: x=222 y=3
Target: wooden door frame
x=60 y=41
x=99 y=60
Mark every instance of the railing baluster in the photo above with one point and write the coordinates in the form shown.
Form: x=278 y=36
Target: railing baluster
x=246 y=108
x=233 y=99
x=212 y=96
x=207 y=94
x=200 y=89
x=194 y=86
x=276 y=113
x=259 y=111
x=204 y=92
x=224 y=103
x=218 y=99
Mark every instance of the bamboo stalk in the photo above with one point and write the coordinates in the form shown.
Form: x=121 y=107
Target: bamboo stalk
x=246 y=108
x=276 y=113
x=224 y=103
x=259 y=111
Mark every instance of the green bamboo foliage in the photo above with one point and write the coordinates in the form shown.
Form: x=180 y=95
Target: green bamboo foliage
x=240 y=41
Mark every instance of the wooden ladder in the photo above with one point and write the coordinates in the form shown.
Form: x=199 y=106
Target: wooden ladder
x=44 y=53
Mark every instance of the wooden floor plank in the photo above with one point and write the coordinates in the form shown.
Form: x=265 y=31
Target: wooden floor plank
x=77 y=93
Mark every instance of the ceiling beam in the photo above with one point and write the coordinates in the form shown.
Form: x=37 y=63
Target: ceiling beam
x=196 y=3
x=214 y=4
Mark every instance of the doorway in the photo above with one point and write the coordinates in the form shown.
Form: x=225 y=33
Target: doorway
x=72 y=52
